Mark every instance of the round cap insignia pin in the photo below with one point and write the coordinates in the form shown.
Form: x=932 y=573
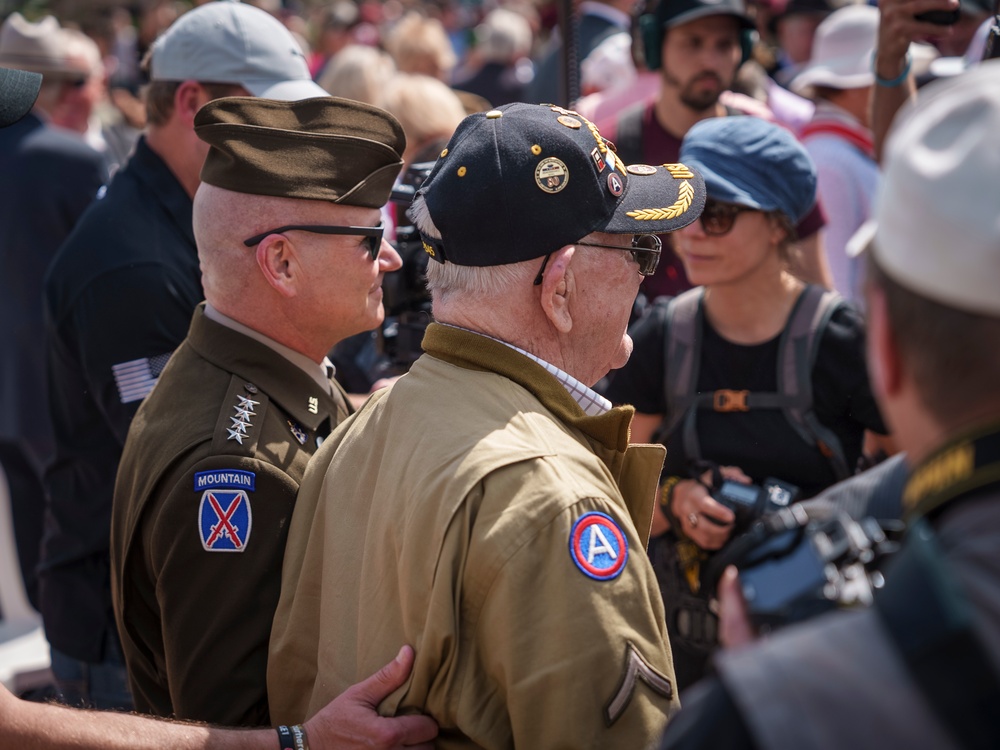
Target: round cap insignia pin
x=615 y=184
x=551 y=175
x=569 y=122
x=640 y=169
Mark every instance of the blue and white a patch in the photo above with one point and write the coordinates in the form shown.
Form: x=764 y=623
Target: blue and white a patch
x=224 y=520
x=598 y=546
x=232 y=479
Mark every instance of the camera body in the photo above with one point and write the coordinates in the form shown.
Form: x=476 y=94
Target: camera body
x=405 y=297
x=939 y=17
x=793 y=566
x=750 y=501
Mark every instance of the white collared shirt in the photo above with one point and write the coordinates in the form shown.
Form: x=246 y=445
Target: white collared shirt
x=592 y=402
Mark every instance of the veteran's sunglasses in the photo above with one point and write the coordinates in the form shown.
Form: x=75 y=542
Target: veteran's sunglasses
x=372 y=235
x=645 y=249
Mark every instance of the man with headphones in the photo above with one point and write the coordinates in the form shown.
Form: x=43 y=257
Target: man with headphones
x=698 y=46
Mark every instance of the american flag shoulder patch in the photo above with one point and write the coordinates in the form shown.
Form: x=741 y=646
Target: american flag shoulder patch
x=136 y=378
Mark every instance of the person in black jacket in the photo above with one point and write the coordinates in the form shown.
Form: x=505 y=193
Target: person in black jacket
x=48 y=176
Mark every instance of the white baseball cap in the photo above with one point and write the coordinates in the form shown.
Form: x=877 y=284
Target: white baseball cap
x=227 y=42
x=937 y=214
x=842 y=51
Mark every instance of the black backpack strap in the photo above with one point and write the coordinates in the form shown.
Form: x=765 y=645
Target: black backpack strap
x=797 y=351
x=930 y=621
x=681 y=359
x=628 y=134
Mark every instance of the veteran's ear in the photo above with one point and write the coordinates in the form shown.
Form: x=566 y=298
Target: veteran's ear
x=556 y=286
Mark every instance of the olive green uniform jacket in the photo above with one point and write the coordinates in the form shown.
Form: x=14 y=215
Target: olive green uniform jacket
x=459 y=512
x=194 y=596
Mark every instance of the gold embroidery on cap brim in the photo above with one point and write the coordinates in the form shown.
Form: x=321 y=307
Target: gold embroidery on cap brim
x=679 y=171
x=685 y=196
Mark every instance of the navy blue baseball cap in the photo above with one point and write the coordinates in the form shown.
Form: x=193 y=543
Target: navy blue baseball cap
x=752 y=162
x=523 y=180
x=670 y=13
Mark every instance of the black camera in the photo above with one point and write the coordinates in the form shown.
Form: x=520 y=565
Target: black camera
x=793 y=566
x=749 y=501
x=406 y=299
x=939 y=17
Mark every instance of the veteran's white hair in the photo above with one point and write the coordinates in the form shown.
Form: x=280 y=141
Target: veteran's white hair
x=448 y=281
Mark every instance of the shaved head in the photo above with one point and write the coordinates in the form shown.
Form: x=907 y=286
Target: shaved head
x=223 y=219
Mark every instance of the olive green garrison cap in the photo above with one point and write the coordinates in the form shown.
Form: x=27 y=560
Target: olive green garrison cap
x=324 y=148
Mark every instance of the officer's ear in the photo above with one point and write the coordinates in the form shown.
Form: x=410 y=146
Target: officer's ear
x=556 y=286
x=279 y=263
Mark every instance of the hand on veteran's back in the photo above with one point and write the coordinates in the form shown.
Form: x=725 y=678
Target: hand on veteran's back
x=351 y=720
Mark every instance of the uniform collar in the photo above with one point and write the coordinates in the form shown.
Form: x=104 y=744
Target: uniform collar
x=317 y=372
x=284 y=382
x=475 y=351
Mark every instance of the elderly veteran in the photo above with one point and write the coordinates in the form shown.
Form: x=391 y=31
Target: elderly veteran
x=488 y=508
x=292 y=256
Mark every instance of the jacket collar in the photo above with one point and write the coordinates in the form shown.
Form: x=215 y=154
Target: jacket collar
x=476 y=352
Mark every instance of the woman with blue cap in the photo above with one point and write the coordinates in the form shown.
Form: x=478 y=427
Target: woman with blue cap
x=752 y=375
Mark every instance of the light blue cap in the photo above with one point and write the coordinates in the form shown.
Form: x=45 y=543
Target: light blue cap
x=752 y=162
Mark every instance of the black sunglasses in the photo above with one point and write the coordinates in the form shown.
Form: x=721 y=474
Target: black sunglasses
x=372 y=235
x=718 y=218
x=645 y=249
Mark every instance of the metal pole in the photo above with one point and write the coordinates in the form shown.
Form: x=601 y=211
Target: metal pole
x=569 y=88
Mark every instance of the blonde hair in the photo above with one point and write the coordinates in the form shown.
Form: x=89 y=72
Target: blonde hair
x=360 y=73
x=425 y=107
x=420 y=45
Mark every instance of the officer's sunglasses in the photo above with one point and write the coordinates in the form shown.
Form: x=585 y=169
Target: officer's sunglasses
x=718 y=218
x=372 y=235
